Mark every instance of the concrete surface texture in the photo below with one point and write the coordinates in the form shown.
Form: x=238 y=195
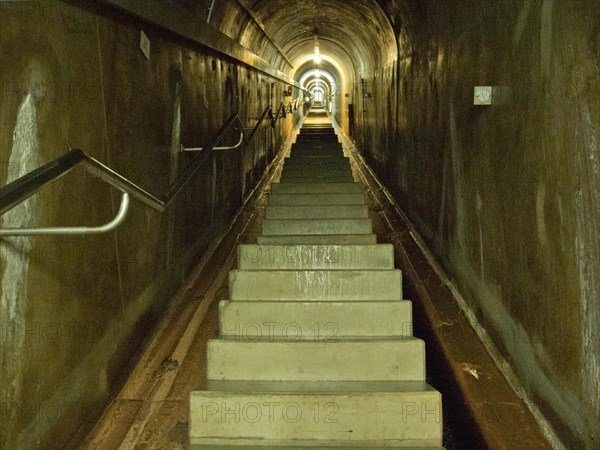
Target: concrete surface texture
x=370 y=377
x=506 y=195
x=76 y=311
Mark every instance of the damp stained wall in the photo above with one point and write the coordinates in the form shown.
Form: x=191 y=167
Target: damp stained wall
x=76 y=311
x=508 y=195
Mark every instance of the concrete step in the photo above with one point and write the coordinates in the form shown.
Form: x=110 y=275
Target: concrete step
x=316 y=226
x=292 y=157
x=299 y=156
x=317 y=180
x=316 y=199
x=309 y=142
x=400 y=359
x=334 y=154
x=344 y=285
x=330 y=239
x=338 y=161
x=317 y=143
x=316 y=157
x=309 y=130
x=318 y=212
x=324 y=179
x=316 y=172
x=317 y=161
x=317 y=150
x=315 y=257
x=313 y=321
x=316 y=188
x=317 y=139
x=318 y=136
x=337 y=445
x=326 y=164
x=316 y=147
x=317 y=415
x=312 y=130
x=307 y=169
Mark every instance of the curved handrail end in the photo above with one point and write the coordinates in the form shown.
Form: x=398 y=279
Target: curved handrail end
x=73 y=231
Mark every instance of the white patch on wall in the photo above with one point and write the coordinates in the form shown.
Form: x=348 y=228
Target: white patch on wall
x=23 y=159
x=145 y=45
x=14 y=253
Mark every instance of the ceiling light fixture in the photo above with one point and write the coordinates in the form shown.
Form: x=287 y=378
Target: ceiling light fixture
x=317 y=55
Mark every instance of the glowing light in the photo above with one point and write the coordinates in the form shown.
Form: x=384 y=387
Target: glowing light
x=317 y=55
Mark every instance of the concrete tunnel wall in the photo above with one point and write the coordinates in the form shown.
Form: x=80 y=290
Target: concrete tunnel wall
x=76 y=311
x=506 y=196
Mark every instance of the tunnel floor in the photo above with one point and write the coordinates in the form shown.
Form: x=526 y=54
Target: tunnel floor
x=152 y=409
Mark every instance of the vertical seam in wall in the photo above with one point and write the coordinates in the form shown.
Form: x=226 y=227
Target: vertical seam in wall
x=112 y=198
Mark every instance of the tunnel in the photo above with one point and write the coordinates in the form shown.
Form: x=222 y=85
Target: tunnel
x=144 y=146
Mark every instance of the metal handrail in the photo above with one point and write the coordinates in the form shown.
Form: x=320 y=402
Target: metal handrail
x=244 y=136
x=26 y=186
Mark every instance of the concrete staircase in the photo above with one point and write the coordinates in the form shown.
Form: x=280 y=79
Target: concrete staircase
x=316 y=347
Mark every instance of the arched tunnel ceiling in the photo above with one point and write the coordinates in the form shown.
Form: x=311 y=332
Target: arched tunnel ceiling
x=325 y=66
x=356 y=33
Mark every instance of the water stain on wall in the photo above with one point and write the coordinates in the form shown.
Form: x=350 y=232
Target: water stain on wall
x=15 y=255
